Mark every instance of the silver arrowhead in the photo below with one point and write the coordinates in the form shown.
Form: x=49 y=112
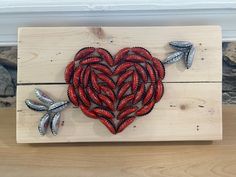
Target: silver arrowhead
x=190 y=57
x=173 y=57
x=181 y=44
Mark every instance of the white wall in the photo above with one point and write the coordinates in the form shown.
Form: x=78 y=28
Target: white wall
x=17 y=13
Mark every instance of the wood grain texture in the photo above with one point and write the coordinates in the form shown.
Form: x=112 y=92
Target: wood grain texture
x=44 y=52
x=187 y=111
x=150 y=159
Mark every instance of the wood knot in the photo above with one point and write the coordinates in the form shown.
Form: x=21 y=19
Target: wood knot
x=98 y=32
x=183 y=107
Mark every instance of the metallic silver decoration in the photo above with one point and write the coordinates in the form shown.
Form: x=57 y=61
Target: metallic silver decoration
x=52 y=109
x=184 y=50
x=190 y=57
x=35 y=106
x=174 y=57
x=181 y=44
x=43 y=97
x=58 y=106
x=186 y=58
x=55 y=122
x=43 y=124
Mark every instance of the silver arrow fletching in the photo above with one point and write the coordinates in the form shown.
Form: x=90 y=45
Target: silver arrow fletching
x=190 y=57
x=43 y=124
x=35 y=106
x=43 y=97
x=181 y=44
x=58 y=106
x=52 y=109
x=186 y=58
x=55 y=122
x=183 y=49
x=174 y=57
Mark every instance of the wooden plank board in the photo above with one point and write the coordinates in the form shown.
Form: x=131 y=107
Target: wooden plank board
x=189 y=110
x=51 y=49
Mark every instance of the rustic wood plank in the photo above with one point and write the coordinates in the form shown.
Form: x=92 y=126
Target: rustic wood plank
x=187 y=111
x=175 y=159
x=44 y=52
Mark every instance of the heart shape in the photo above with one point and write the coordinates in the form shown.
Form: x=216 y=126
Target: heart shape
x=115 y=90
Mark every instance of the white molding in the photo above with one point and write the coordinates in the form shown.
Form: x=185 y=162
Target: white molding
x=110 y=5
x=18 y=13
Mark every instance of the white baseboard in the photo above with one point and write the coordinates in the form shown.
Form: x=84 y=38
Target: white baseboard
x=18 y=13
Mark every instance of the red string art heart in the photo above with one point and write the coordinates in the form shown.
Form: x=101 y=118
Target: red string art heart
x=115 y=90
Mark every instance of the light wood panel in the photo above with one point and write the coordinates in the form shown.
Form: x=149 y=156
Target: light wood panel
x=149 y=159
x=187 y=111
x=44 y=52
